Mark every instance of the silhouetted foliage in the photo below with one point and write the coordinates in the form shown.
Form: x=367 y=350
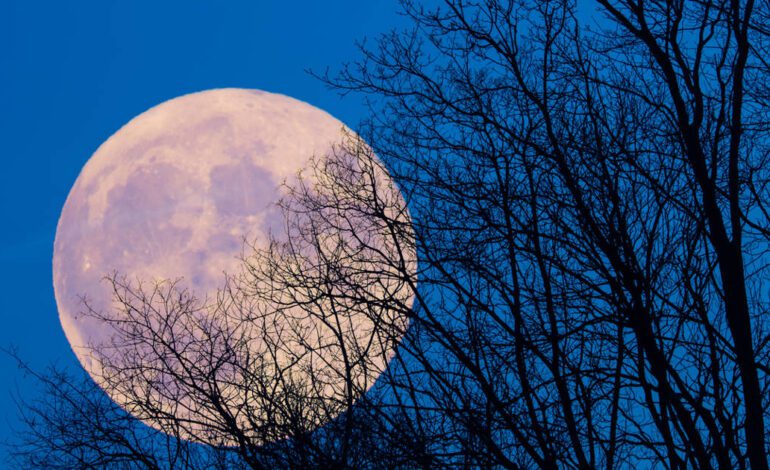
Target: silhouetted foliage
x=589 y=206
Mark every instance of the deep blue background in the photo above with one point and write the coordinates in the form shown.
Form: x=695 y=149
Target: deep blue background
x=72 y=73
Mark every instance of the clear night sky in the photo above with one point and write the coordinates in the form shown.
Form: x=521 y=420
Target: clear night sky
x=72 y=73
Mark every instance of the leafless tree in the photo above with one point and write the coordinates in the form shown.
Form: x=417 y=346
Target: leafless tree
x=588 y=208
x=245 y=377
x=589 y=200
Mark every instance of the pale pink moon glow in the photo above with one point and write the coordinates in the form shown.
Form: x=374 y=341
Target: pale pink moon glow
x=174 y=192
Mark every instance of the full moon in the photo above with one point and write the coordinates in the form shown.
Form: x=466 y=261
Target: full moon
x=174 y=193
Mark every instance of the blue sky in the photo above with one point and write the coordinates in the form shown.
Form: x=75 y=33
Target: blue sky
x=72 y=73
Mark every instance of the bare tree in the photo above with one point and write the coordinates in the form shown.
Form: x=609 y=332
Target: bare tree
x=588 y=208
x=245 y=377
x=590 y=203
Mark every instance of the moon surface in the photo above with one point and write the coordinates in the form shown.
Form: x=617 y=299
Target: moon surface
x=174 y=193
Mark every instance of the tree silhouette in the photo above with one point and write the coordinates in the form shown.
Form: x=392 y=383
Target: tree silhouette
x=589 y=213
x=244 y=378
